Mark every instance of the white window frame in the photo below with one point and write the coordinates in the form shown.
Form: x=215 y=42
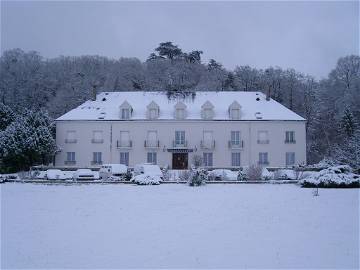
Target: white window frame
x=235 y=159
x=124 y=158
x=70 y=157
x=97 y=157
x=290 y=136
x=151 y=157
x=180 y=137
x=263 y=158
x=208 y=159
x=235 y=137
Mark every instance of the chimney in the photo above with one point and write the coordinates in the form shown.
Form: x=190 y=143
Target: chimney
x=93 y=92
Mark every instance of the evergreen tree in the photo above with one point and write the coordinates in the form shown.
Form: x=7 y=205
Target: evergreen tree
x=348 y=123
x=6 y=116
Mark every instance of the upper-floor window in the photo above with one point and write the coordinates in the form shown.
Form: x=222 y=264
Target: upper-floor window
x=290 y=137
x=234 y=111
x=125 y=111
x=124 y=139
x=180 y=111
x=97 y=136
x=263 y=137
x=153 y=110
x=71 y=136
x=207 y=111
x=151 y=139
x=235 y=137
x=263 y=158
x=179 y=137
x=290 y=158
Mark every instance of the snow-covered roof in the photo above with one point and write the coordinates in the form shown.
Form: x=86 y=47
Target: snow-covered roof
x=107 y=106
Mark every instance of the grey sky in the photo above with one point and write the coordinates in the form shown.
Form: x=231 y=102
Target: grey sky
x=307 y=36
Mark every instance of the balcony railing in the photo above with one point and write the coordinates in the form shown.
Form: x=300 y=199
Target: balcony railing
x=236 y=144
x=290 y=141
x=263 y=141
x=124 y=144
x=70 y=140
x=207 y=144
x=95 y=162
x=70 y=162
x=151 y=144
x=182 y=144
x=263 y=163
x=97 y=140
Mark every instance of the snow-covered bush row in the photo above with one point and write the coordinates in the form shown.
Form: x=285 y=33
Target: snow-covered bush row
x=146 y=179
x=197 y=177
x=337 y=176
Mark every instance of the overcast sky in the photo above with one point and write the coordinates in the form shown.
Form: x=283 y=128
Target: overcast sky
x=307 y=36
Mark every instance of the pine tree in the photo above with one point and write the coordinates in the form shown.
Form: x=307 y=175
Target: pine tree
x=6 y=116
x=348 y=123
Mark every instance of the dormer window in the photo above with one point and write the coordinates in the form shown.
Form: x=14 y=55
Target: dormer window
x=207 y=110
x=180 y=111
x=125 y=114
x=125 y=111
x=235 y=111
x=153 y=111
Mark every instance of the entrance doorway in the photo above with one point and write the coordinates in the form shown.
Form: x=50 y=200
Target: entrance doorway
x=180 y=161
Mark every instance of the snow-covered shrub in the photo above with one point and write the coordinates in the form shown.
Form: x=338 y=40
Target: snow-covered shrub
x=197 y=177
x=242 y=176
x=266 y=175
x=222 y=175
x=184 y=175
x=337 y=176
x=166 y=173
x=128 y=175
x=254 y=172
x=145 y=179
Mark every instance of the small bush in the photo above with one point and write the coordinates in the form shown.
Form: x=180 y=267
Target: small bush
x=254 y=172
x=198 y=177
x=242 y=176
x=184 y=175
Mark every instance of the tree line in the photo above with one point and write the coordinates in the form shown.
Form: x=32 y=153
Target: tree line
x=331 y=106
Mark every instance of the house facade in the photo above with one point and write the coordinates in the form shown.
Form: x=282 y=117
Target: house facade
x=222 y=129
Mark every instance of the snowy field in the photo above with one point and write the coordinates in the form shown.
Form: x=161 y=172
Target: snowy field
x=177 y=226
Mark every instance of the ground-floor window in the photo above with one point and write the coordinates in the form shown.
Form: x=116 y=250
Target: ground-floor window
x=290 y=158
x=70 y=156
x=124 y=158
x=263 y=158
x=235 y=159
x=151 y=157
x=208 y=159
x=97 y=157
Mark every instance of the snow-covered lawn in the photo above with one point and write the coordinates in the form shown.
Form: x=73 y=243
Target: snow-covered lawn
x=177 y=226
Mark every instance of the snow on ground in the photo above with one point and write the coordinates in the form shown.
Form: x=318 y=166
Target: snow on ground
x=177 y=226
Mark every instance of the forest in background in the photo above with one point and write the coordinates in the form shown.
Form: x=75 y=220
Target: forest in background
x=31 y=83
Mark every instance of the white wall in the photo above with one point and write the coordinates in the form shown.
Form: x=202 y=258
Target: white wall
x=194 y=134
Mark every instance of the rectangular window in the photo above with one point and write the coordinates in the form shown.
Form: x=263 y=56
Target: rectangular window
x=70 y=156
x=152 y=138
x=125 y=138
x=124 y=158
x=290 y=137
x=125 y=114
x=235 y=159
x=235 y=114
x=70 y=136
x=97 y=157
x=208 y=159
x=263 y=158
x=207 y=113
x=153 y=113
x=235 y=137
x=263 y=137
x=151 y=157
x=180 y=137
x=97 y=136
x=290 y=158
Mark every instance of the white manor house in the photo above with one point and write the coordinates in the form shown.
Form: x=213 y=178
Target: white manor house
x=225 y=129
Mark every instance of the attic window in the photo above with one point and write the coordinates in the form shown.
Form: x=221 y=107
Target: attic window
x=207 y=111
x=104 y=99
x=180 y=111
x=125 y=111
x=153 y=110
x=257 y=99
x=234 y=111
